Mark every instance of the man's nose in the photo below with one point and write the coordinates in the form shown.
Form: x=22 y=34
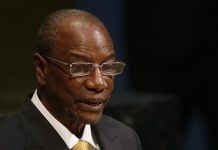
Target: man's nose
x=95 y=81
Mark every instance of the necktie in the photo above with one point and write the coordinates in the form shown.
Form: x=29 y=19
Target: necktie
x=83 y=145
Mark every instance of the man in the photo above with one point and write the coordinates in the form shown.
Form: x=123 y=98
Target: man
x=75 y=67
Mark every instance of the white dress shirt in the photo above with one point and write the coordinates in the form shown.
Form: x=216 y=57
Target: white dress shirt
x=69 y=138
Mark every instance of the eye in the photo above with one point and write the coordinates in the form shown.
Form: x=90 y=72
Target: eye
x=113 y=68
x=81 y=67
x=108 y=67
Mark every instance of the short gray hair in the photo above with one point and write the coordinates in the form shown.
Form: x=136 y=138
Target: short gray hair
x=48 y=31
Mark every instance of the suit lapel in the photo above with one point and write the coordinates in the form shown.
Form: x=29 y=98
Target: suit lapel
x=105 y=137
x=38 y=132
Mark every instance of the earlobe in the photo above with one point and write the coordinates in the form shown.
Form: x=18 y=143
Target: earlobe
x=40 y=66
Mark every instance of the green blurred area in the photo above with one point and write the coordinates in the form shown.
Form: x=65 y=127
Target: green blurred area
x=19 y=25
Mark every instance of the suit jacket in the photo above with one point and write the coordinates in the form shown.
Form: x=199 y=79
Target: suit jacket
x=29 y=130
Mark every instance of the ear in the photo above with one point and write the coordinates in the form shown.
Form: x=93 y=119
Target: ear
x=40 y=66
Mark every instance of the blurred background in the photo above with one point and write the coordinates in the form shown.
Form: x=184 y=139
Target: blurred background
x=168 y=92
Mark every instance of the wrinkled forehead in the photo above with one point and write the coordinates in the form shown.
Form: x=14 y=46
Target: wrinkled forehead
x=82 y=27
x=82 y=33
x=85 y=36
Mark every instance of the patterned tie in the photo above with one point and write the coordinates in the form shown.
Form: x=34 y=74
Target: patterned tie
x=83 y=145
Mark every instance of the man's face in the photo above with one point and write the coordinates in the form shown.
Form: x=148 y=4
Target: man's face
x=80 y=98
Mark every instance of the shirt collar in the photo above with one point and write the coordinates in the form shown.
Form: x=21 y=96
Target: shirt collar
x=69 y=138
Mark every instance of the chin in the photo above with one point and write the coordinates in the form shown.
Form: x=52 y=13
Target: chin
x=90 y=118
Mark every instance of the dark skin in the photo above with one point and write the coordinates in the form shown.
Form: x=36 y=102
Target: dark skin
x=77 y=101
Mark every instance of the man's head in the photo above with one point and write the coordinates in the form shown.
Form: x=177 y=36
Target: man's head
x=55 y=22
x=73 y=36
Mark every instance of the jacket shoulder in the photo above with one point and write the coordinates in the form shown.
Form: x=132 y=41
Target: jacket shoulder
x=113 y=123
x=110 y=130
x=11 y=133
x=114 y=128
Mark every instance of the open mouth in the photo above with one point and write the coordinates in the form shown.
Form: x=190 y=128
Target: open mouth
x=91 y=106
x=93 y=103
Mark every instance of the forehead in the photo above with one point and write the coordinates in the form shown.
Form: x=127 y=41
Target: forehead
x=83 y=39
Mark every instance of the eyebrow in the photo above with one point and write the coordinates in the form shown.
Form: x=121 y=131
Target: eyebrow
x=83 y=56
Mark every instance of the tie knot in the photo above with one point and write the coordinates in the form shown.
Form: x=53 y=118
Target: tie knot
x=83 y=145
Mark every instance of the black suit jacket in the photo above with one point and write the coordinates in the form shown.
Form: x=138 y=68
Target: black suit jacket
x=29 y=130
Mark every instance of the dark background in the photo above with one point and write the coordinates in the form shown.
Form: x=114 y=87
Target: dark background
x=19 y=25
x=172 y=48
x=168 y=90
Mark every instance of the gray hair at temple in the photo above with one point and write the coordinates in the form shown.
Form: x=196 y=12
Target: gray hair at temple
x=49 y=29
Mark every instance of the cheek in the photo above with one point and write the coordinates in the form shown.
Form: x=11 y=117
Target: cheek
x=61 y=89
x=110 y=85
x=71 y=91
x=74 y=88
x=66 y=90
x=110 y=82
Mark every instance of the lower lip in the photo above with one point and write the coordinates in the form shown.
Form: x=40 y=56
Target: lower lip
x=91 y=107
